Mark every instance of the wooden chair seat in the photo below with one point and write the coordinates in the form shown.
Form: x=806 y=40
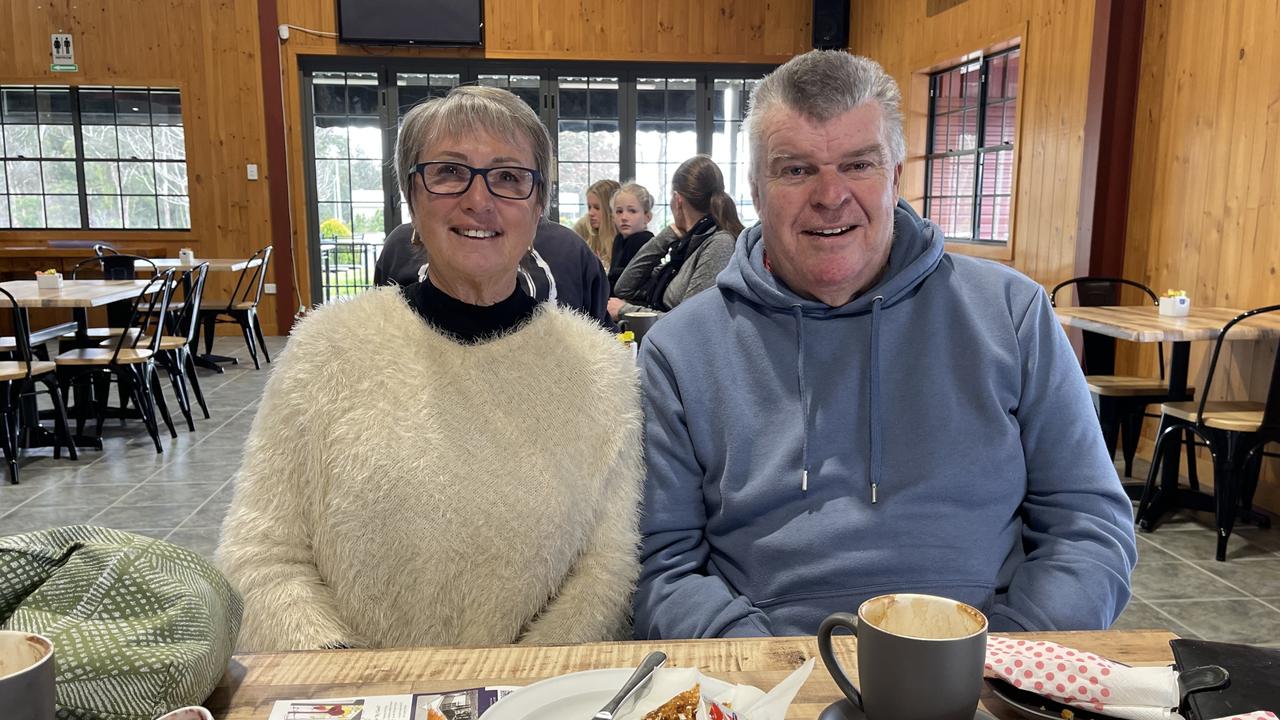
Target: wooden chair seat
x=14 y=370
x=167 y=342
x=1127 y=386
x=102 y=356
x=1236 y=416
x=249 y=305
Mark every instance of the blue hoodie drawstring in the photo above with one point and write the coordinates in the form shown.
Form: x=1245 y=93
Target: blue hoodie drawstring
x=876 y=461
x=804 y=399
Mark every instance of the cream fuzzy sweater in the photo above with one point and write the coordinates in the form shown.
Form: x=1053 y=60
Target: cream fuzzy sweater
x=399 y=488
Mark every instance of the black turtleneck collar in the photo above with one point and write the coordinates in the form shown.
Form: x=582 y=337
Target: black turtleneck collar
x=469 y=324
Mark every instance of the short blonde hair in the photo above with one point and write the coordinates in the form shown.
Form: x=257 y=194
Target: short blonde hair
x=466 y=110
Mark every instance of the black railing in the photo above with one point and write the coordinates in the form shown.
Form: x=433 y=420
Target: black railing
x=346 y=266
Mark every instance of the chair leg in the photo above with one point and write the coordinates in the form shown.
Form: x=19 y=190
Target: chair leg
x=61 y=425
x=8 y=439
x=1151 y=491
x=257 y=329
x=157 y=392
x=1224 y=494
x=248 y=339
x=103 y=402
x=173 y=365
x=142 y=395
x=194 y=378
x=1193 y=472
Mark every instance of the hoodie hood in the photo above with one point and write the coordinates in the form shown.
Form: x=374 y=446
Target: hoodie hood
x=916 y=249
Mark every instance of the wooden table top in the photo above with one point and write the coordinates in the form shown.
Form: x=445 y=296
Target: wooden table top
x=1141 y=323
x=215 y=264
x=73 y=294
x=253 y=682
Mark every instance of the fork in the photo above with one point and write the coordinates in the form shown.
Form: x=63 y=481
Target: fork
x=652 y=661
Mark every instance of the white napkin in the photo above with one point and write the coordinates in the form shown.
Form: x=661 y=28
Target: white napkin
x=749 y=703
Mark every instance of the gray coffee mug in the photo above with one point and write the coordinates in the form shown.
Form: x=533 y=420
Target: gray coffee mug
x=919 y=657
x=26 y=676
x=640 y=321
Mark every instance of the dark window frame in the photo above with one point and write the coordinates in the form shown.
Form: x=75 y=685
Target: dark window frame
x=80 y=158
x=981 y=150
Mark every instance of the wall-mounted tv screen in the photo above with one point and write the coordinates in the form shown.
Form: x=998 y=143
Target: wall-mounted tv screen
x=411 y=22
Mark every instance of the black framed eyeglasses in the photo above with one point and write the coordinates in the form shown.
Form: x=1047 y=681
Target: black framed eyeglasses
x=455 y=178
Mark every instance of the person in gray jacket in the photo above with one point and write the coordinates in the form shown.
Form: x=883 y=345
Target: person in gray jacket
x=683 y=259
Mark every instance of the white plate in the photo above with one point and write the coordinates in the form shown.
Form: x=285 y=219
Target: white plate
x=577 y=695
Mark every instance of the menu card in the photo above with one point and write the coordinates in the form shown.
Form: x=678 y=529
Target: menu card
x=465 y=704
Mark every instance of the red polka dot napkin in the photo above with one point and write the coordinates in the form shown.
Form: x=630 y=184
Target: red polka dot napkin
x=1089 y=682
x=1084 y=680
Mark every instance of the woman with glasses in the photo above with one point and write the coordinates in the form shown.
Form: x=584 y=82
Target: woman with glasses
x=439 y=464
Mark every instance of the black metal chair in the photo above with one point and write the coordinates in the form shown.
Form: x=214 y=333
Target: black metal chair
x=17 y=384
x=129 y=359
x=242 y=308
x=176 y=345
x=103 y=249
x=1236 y=432
x=1121 y=400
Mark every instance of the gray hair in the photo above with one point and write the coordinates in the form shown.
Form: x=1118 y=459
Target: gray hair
x=821 y=85
x=465 y=111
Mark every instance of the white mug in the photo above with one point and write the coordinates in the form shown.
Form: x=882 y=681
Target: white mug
x=187 y=256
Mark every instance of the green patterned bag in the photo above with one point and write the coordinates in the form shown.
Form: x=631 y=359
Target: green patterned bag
x=140 y=627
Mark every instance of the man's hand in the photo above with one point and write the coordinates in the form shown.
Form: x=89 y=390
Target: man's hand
x=615 y=307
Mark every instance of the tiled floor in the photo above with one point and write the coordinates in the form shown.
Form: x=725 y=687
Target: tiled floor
x=180 y=495
x=183 y=495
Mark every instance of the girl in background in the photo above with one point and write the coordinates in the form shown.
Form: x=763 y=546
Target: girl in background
x=632 y=207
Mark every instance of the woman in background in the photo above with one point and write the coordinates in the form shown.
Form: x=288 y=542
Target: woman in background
x=683 y=259
x=596 y=227
x=440 y=463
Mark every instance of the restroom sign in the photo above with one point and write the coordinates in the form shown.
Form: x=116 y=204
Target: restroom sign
x=64 y=56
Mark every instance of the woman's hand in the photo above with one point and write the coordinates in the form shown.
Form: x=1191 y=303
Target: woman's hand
x=615 y=307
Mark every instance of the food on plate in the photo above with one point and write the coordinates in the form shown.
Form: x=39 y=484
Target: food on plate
x=681 y=707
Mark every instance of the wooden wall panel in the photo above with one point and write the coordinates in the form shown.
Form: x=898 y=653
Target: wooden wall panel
x=1204 y=208
x=208 y=49
x=1056 y=48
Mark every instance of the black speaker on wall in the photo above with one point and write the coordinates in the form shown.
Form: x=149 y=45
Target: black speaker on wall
x=831 y=24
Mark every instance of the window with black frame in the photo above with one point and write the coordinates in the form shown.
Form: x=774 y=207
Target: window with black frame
x=92 y=157
x=970 y=154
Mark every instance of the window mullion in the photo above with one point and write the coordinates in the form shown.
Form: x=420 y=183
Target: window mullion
x=82 y=189
x=702 y=102
x=627 y=125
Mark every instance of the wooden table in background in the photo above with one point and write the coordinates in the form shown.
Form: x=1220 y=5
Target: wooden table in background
x=1144 y=323
x=253 y=682
x=215 y=264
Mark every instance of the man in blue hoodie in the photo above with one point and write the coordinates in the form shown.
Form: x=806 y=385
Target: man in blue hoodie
x=853 y=411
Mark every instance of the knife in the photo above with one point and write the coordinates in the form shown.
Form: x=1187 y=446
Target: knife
x=637 y=680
